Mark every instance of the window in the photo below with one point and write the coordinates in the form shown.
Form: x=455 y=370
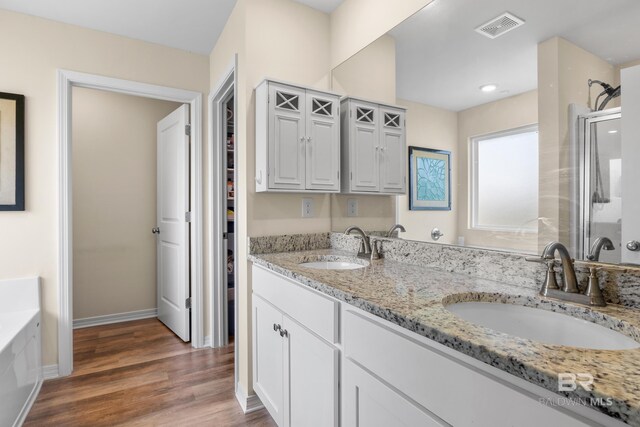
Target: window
x=504 y=178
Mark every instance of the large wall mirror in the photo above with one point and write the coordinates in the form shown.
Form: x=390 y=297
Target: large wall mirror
x=528 y=97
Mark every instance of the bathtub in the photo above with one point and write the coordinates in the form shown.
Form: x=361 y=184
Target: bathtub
x=20 y=360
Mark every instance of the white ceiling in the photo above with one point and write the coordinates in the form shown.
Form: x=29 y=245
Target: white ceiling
x=326 y=6
x=442 y=61
x=191 y=25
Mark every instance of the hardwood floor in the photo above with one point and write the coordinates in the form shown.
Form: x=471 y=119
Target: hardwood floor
x=140 y=374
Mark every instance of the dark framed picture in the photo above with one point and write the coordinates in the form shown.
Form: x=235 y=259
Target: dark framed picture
x=11 y=152
x=429 y=179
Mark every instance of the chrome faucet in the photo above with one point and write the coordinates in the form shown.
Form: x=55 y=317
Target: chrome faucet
x=365 y=246
x=569 y=292
x=570 y=283
x=599 y=244
x=394 y=228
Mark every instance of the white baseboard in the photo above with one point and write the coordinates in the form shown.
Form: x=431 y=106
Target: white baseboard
x=247 y=403
x=207 y=341
x=50 y=372
x=28 y=404
x=114 y=318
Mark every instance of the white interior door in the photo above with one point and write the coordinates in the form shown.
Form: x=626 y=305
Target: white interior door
x=630 y=80
x=172 y=225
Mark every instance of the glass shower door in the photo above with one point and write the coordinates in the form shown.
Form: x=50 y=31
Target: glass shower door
x=603 y=189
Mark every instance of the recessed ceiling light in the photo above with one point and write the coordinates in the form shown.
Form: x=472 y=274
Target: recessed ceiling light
x=488 y=88
x=613 y=131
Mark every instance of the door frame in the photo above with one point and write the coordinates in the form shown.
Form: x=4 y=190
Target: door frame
x=66 y=80
x=218 y=303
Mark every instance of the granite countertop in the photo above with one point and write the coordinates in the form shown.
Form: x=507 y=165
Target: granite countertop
x=414 y=297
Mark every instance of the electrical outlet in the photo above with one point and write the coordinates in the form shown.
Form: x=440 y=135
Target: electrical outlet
x=307 y=208
x=352 y=207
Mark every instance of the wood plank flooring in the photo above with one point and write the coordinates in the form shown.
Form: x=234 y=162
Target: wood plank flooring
x=140 y=374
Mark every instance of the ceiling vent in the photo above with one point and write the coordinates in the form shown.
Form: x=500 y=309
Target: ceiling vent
x=500 y=25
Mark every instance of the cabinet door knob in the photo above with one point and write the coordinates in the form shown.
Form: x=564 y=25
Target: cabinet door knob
x=633 y=246
x=284 y=333
x=155 y=230
x=277 y=327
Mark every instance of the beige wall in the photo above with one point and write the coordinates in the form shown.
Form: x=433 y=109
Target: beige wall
x=232 y=43
x=369 y=74
x=284 y=40
x=436 y=128
x=563 y=72
x=287 y=41
x=38 y=47
x=356 y=23
x=114 y=201
x=510 y=113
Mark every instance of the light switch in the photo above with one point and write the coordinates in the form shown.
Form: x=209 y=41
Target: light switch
x=352 y=207
x=307 y=208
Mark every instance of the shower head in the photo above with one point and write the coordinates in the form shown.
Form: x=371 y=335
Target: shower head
x=610 y=91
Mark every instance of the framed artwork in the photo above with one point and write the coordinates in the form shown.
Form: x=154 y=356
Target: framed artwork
x=429 y=179
x=11 y=152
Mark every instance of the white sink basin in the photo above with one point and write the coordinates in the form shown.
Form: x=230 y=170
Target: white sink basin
x=540 y=325
x=332 y=265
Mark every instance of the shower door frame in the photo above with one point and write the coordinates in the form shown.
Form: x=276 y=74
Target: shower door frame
x=586 y=120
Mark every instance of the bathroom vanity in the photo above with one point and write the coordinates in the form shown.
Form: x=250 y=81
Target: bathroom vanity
x=377 y=346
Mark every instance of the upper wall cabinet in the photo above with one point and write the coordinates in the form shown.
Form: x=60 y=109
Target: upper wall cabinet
x=297 y=139
x=373 y=148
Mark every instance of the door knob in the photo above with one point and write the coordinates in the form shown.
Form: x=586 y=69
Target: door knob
x=155 y=230
x=633 y=245
x=436 y=234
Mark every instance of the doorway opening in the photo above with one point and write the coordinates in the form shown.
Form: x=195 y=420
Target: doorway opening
x=117 y=150
x=224 y=214
x=188 y=270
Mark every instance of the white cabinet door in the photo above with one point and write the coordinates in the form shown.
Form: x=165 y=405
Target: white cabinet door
x=286 y=137
x=323 y=142
x=630 y=161
x=392 y=151
x=365 y=146
x=268 y=357
x=311 y=379
x=368 y=402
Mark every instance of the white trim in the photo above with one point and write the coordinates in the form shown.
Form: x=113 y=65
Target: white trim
x=218 y=304
x=207 y=341
x=248 y=404
x=66 y=80
x=108 y=319
x=28 y=404
x=50 y=372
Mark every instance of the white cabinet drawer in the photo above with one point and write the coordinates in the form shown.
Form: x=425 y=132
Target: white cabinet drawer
x=312 y=309
x=459 y=393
